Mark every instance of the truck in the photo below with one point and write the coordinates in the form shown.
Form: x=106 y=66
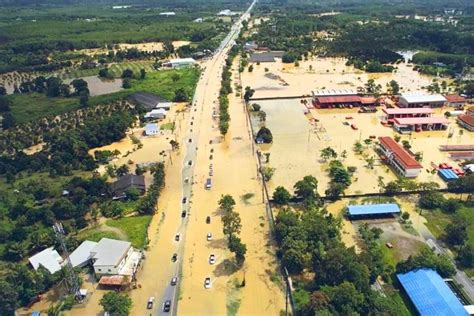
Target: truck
x=208 y=184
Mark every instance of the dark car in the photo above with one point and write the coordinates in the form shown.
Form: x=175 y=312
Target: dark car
x=174 y=257
x=208 y=220
x=184 y=200
x=167 y=306
x=183 y=214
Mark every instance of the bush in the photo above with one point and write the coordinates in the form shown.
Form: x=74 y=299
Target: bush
x=281 y=196
x=431 y=200
x=265 y=135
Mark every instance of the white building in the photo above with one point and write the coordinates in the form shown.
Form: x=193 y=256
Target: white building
x=48 y=258
x=168 y=13
x=114 y=257
x=81 y=256
x=156 y=114
x=227 y=12
x=164 y=105
x=420 y=99
x=198 y=20
x=180 y=63
x=152 y=129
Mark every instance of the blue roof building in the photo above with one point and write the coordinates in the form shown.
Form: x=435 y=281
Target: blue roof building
x=447 y=174
x=430 y=295
x=373 y=209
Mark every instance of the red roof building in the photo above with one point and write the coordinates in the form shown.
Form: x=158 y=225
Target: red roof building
x=466 y=121
x=470 y=111
x=410 y=124
x=391 y=113
x=455 y=100
x=400 y=159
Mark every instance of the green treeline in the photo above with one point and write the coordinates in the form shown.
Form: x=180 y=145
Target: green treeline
x=226 y=89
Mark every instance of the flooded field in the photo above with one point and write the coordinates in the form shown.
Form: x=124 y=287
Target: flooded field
x=278 y=79
x=295 y=151
x=144 y=47
x=98 y=86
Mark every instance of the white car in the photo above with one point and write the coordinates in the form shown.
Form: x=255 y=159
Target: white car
x=209 y=236
x=212 y=259
x=207 y=283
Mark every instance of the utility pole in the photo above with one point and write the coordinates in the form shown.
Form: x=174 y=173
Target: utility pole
x=71 y=277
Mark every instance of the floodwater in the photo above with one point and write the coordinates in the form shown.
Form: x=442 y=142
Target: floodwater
x=99 y=86
x=324 y=73
x=144 y=47
x=297 y=142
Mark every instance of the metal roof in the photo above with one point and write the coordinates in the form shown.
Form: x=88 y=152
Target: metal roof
x=418 y=97
x=82 y=253
x=109 y=252
x=182 y=61
x=48 y=258
x=420 y=120
x=401 y=111
x=334 y=92
x=447 y=174
x=339 y=99
x=262 y=58
x=430 y=294
x=372 y=209
x=402 y=156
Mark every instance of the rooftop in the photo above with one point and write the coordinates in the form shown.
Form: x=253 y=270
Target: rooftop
x=339 y=99
x=430 y=294
x=400 y=153
x=401 y=111
x=182 y=60
x=370 y=209
x=455 y=98
x=109 y=252
x=82 y=253
x=418 y=97
x=420 y=120
x=148 y=100
x=466 y=119
x=48 y=258
x=334 y=92
x=127 y=181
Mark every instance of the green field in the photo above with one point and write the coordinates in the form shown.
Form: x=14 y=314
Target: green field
x=115 y=70
x=32 y=106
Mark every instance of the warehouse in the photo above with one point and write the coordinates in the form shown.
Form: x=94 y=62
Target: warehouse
x=466 y=121
x=372 y=210
x=418 y=124
x=430 y=294
x=180 y=63
x=392 y=113
x=396 y=156
x=340 y=98
x=420 y=100
x=455 y=100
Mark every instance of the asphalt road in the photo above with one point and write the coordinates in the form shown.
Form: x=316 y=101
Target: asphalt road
x=214 y=67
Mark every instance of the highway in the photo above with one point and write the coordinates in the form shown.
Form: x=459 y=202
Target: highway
x=213 y=68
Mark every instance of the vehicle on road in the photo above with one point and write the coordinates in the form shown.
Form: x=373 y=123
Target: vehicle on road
x=167 y=306
x=174 y=281
x=190 y=140
x=211 y=173
x=183 y=214
x=354 y=127
x=208 y=183
x=207 y=283
x=174 y=257
x=186 y=180
x=184 y=200
x=149 y=304
x=209 y=236
x=176 y=237
x=208 y=220
x=212 y=259
x=190 y=163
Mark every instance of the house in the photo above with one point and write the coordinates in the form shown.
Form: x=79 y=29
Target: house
x=226 y=12
x=164 y=105
x=419 y=100
x=340 y=98
x=48 y=259
x=121 y=186
x=156 y=114
x=148 y=100
x=81 y=256
x=466 y=121
x=396 y=156
x=418 y=124
x=114 y=257
x=250 y=46
x=179 y=63
x=392 y=113
x=470 y=111
x=372 y=210
x=455 y=100
x=167 y=14
x=430 y=294
x=152 y=129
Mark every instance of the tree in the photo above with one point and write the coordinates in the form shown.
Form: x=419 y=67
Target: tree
x=256 y=107
x=405 y=216
x=142 y=73
x=250 y=68
x=4 y=104
x=306 y=188
x=465 y=256
x=358 y=148
x=84 y=98
x=80 y=85
x=456 y=232
x=232 y=224
x=239 y=248
x=431 y=200
x=3 y=91
x=8 y=298
x=393 y=187
x=116 y=304
x=122 y=170
x=426 y=258
x=127 y=73
x=394 y=87
x=175 y=77
x=281 y=196
x=104 y=73
x=226 y=203
x=345 y=298
x=133 y=194
x=267 y=173
x=248 y=94
x=126 y=83
x=265 y=135
x=180 y=95
x=327 y=153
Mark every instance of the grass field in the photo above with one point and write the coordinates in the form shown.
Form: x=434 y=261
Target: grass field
x=134 y=227
x=32 y=106
x=115 y=70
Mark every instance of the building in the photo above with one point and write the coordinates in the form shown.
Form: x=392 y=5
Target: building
x=418 y=124
x=265 y=57
x=152 y=129
x=180 y=63
x=148 y=100
x=466 y=121
x=327 y=99
x=124 y=183
x=447 y=174
x=430 y=294
x=168 y=14
x=226 y=12
x=48 y=259
x=470 y=111
x=164 y=105
x=114 y=257
x=391 y=113
x=420 y=100
x=396 y=156
x=372 y=210
x=198 y=20
x=455 y=100
x=156 y=114
x=81 y=256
